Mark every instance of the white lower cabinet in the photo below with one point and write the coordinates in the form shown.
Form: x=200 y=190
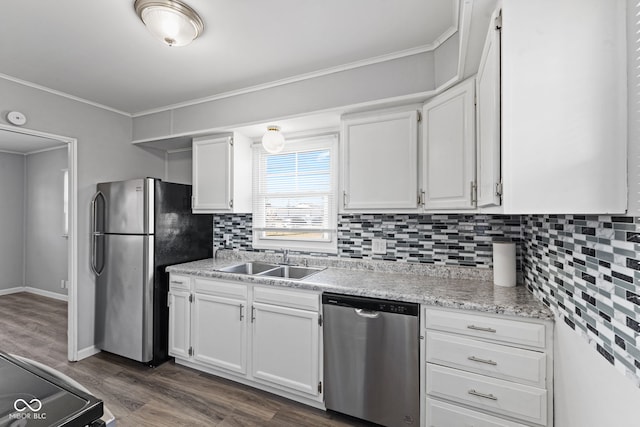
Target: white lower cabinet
x=277 y=358
x=486 y=370
x=219 y=332
x=266 y=337
x=180 y=316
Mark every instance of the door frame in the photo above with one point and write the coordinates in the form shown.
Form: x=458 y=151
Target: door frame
x=72 y=247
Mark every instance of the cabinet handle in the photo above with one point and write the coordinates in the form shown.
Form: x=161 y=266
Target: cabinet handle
x=422 y=198
x=474 y=193
x=484 y=395
x=344 y=199
x=176 y=282
x=479 y=328
x=241 y=315
x=231 y=204
x=253 y=314
x=477 y=359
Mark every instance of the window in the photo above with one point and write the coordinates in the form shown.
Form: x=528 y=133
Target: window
x=294 y=196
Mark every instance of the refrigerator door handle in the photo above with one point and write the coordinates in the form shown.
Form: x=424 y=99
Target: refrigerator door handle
x=94 y=234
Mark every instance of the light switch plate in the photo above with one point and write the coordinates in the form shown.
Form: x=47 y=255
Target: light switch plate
x=379 y=246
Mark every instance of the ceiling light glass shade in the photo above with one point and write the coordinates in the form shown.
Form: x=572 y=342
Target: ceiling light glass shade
x=171 y=21
x=273 y=140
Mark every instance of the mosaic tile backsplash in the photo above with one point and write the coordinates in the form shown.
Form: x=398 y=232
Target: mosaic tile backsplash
x=451 y=239
x=586 y=269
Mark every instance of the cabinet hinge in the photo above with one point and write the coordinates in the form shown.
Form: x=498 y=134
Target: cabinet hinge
x=320 y=320
x=498 y=21
x=499 y=189
x=190 y=351
x=419 y=116
x=320 y=387
x=190 y=297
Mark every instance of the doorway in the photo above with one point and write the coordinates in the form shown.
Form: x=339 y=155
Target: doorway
x=44 y=153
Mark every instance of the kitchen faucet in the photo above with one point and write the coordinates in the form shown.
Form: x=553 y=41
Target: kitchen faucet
x=285 y=256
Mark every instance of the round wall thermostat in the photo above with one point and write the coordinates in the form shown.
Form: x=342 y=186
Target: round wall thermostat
x=16 y=118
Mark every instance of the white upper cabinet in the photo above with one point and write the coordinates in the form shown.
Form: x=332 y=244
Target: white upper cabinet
x=222 y=174
x=489 y=186
x=564 y=107
x=380 y=161
x=448 y=167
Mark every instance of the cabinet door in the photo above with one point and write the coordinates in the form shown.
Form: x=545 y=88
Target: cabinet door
x=380 y=161
x=212 y=171
x=219 y=332
x=449 y=149
x=286 y=350
x=488 y=118
x=179 y=323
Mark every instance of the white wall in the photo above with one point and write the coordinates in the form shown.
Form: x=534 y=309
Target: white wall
x=589 y=392
x=46 y=248
x=179 y=166
x=12 y=169
x=105 y=153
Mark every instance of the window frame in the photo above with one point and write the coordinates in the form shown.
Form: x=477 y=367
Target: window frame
x=330 y=245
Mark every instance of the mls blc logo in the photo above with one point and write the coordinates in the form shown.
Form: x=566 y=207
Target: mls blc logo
x=28 y=410
x=22 y=405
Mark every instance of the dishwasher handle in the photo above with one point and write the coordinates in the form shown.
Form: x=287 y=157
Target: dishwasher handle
x=369 y=314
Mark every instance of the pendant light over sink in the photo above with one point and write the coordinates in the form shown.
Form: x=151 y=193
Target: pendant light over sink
x=273 y=140
x=171 y=21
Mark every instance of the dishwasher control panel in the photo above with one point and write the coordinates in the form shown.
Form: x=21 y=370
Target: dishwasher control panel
x=372 y=304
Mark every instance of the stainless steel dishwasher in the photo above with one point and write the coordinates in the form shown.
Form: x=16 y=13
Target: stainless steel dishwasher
x=371 y=359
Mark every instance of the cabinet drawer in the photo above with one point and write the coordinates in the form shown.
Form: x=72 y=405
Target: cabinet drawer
x=505 y=330
x=220 y=288
x=499 y=361
x=303 y=300
x=179 y=282
x=441 y=414
x=489 y=394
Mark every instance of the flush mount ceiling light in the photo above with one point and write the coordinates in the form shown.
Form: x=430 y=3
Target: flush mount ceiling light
x=171 y=21
x=273 y=140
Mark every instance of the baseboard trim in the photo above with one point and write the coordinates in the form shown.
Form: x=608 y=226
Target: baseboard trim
x=13 y=290
x=36 y=291
x=88 y=352
x=47 y=294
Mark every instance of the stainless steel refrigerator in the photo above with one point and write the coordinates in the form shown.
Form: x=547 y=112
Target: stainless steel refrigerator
x=139 y=227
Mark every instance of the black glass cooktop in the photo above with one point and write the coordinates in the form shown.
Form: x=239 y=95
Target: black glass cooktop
x=33 y=397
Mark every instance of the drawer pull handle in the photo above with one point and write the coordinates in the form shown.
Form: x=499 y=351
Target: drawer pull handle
x=477 y=359
x=484 y=395
x=479 y=328
x=176 y=282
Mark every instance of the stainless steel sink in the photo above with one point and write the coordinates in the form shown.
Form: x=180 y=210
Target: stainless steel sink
x=253 y=267
x=256 y=268
x=291 y=272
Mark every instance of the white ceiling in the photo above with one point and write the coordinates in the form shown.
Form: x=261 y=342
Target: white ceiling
x=20 y=143
x=99 y=50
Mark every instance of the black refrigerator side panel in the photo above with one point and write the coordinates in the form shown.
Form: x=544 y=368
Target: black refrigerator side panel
x=180 y=236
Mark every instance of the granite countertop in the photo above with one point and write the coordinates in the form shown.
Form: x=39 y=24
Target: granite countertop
x=452 y=287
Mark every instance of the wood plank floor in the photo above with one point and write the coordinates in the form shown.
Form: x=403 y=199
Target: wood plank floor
x=169 y=395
